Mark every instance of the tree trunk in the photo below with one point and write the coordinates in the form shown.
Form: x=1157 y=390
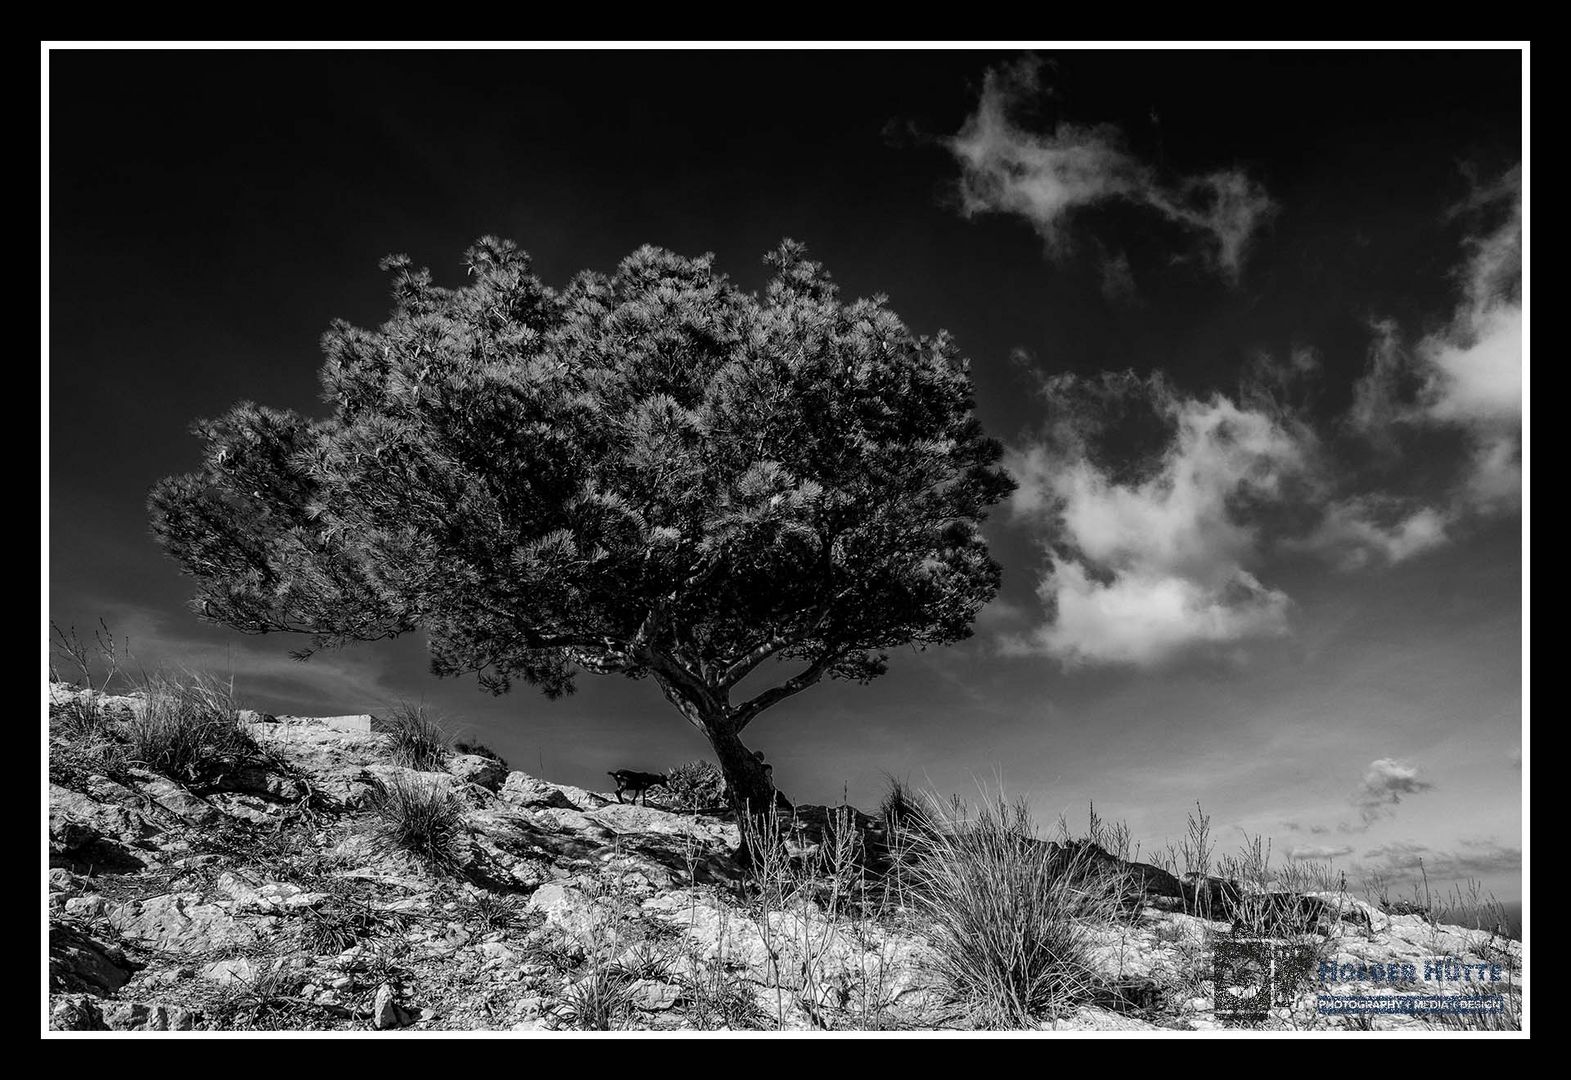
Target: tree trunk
x=749 y=786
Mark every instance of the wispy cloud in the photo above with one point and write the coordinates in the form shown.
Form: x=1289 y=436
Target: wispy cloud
x=1404 y=861
x=1376 y=529
x=1317 y=852
x=1144 y=563
x=1048 y=177
x=1384 y=784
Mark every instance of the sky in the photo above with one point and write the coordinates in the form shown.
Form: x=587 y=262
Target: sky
x=1250 y=325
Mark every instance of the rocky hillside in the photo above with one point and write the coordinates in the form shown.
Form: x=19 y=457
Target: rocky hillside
x=296 y=877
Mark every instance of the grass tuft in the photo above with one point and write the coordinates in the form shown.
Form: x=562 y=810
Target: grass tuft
x=184 y=728
x=1011 y=917
x=423 y=817
x=417 y=740
x=600 y=1001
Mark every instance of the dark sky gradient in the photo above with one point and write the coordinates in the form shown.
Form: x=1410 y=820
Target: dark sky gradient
x=210 y=213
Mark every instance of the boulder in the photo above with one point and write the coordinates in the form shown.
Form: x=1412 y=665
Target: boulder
x=228 y=972
x=170 y=796
x=77 y=822
x=75 y=1012
x=267 y=897
x=251 y=808
x=80 y=964
x=569 y=909
x=527 y=793
x=359 y=723
x=386 y=1012
x=253 y=779
x=64 y=882
x=479 y=770
x=182 y=922
x=140 y=1016
x=654 y=995
x=85 y=907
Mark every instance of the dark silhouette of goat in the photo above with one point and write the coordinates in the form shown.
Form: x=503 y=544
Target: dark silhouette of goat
x=638 y=783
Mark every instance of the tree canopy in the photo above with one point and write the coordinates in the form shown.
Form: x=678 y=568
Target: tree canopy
x=648 y=473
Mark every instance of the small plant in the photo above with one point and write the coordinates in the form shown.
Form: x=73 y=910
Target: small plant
x=71 y=654
x=417 y=741
x=697 y=785
x=558 y=953
x=269 y=1001
x=717 y=997
x=644 y=961
x=492 y=913
x=421 y=816
x=342 y=921
x=600 y=1001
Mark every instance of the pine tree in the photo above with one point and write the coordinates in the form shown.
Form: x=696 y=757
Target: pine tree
x=654 y=474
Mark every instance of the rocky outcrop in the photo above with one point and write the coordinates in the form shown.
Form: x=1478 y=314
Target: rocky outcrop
x=271 y=895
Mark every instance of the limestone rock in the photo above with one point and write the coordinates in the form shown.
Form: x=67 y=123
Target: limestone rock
x=386 y=1012
x=653 y=995
x=79 y=963
x=479 y=770
x=569 y=909
x=182 y=922
x=175 y=799
x=523 y=790
x=77 y=821
x=137 y=1016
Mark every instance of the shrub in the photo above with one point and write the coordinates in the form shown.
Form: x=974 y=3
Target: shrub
x=697 y=784
x=185 y=728
x=423 y=817
x=1011 y=920
x=417 y=741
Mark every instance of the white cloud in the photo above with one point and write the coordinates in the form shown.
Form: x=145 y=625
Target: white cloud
x=1467 y=376
x=1374 y=528
x=1047 y=178
x=1140 y=569
x=1384 y=784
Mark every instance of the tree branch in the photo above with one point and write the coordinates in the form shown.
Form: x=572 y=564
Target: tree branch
x=743 y=714
x=738 y=671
